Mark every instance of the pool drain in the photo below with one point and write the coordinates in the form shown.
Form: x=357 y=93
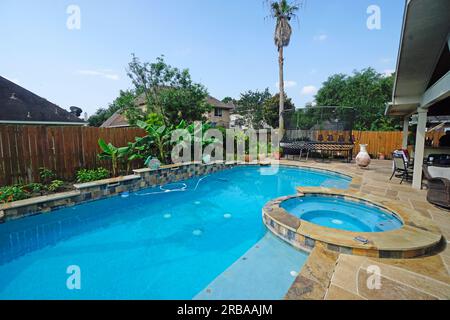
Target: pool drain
x=227 y=215
x=197 y=232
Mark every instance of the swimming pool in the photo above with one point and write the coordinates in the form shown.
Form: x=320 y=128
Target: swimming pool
x=157 y=244
x=340 y=213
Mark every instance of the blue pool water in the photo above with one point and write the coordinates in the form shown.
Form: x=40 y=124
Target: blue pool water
x=153 y=244
x=339 y=213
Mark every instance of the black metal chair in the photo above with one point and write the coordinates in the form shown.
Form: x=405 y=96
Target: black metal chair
x=401 y=169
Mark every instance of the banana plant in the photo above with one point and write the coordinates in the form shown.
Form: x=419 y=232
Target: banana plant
x=159 y=136
x=113 y=153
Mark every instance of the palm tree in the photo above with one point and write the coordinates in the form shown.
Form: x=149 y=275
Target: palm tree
x=282 y=11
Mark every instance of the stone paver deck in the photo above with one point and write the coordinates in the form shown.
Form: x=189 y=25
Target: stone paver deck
x=333 y=275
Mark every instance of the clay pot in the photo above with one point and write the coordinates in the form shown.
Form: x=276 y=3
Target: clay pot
x=363 y=158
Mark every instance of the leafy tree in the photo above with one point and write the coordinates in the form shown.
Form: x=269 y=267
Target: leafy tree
x=251 y=107
x=367 y=91
x=228 y=100
x=123 y=102
x=282 y=11
x=271 y=109
x=168 y=91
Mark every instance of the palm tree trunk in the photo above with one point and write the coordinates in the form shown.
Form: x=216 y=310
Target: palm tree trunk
x=281 y=81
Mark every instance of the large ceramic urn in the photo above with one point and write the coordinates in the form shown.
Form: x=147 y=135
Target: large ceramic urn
x=363 y=158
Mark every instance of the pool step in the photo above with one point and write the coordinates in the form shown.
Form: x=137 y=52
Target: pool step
x=264 y=272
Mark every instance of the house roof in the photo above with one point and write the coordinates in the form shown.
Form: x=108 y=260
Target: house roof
x=18 y=105
x=216 y=103
x=423 y=42
x=219 y=104
x=119 y=120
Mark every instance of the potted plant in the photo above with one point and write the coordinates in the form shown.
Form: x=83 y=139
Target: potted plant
x=276 y=153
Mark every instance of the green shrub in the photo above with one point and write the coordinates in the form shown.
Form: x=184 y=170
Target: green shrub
x=46 y=175
x=33 y=187
x=86 y=175
x=12 y=193
x=55 y=185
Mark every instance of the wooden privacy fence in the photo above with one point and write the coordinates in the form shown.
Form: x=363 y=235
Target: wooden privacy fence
x=25 y=149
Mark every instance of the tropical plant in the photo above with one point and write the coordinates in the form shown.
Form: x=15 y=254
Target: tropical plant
x=159 y=136
x=33 y=187
x=46 y=175
x=12 y=193
x=86 y=175
x=114 y=154
x=283 y=12
x=55 y=185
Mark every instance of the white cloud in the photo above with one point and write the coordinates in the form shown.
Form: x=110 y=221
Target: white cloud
x=287 y=84
x=386 y=60
x=321 y=37
x=388 y=72
x=308 y=90
x=107 y=74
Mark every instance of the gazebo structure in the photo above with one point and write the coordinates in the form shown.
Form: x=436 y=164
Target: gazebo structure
x=422 y=79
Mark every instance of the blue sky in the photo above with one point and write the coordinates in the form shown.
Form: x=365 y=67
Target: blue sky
x=226 y=44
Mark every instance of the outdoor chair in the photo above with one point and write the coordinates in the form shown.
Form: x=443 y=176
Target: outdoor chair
x=438 y=185
x=401 y=169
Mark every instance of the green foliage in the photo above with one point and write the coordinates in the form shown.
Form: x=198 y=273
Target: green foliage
x=155 y=119
x=12 y=193
x=271 y=109
x=159 y=136
x=251 y=107
x=123 y=102
x=168 y=91
x=114 y=154
x=367 y=91
x=55 y=185
x=33 y=187
x=46 y=175
x=86 y=175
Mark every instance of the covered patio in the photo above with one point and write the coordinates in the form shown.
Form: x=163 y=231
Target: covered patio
x=422 y=80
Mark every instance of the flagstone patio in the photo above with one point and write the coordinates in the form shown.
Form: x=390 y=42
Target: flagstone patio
x=333 y=275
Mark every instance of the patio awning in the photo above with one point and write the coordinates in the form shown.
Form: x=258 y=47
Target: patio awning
x=422 y=74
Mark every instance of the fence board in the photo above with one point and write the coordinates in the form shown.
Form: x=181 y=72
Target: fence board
x=25 y=149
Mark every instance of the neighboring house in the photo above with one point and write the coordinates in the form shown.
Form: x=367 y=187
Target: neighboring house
x=20 y=106
x=219 y=115
x=422 y=77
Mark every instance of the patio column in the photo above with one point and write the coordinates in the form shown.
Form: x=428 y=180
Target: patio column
x=405 y=132
x=419 y=149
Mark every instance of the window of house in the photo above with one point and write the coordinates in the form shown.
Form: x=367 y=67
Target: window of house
x=217 y=112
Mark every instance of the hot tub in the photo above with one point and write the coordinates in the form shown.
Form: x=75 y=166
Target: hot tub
x=342 y=213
